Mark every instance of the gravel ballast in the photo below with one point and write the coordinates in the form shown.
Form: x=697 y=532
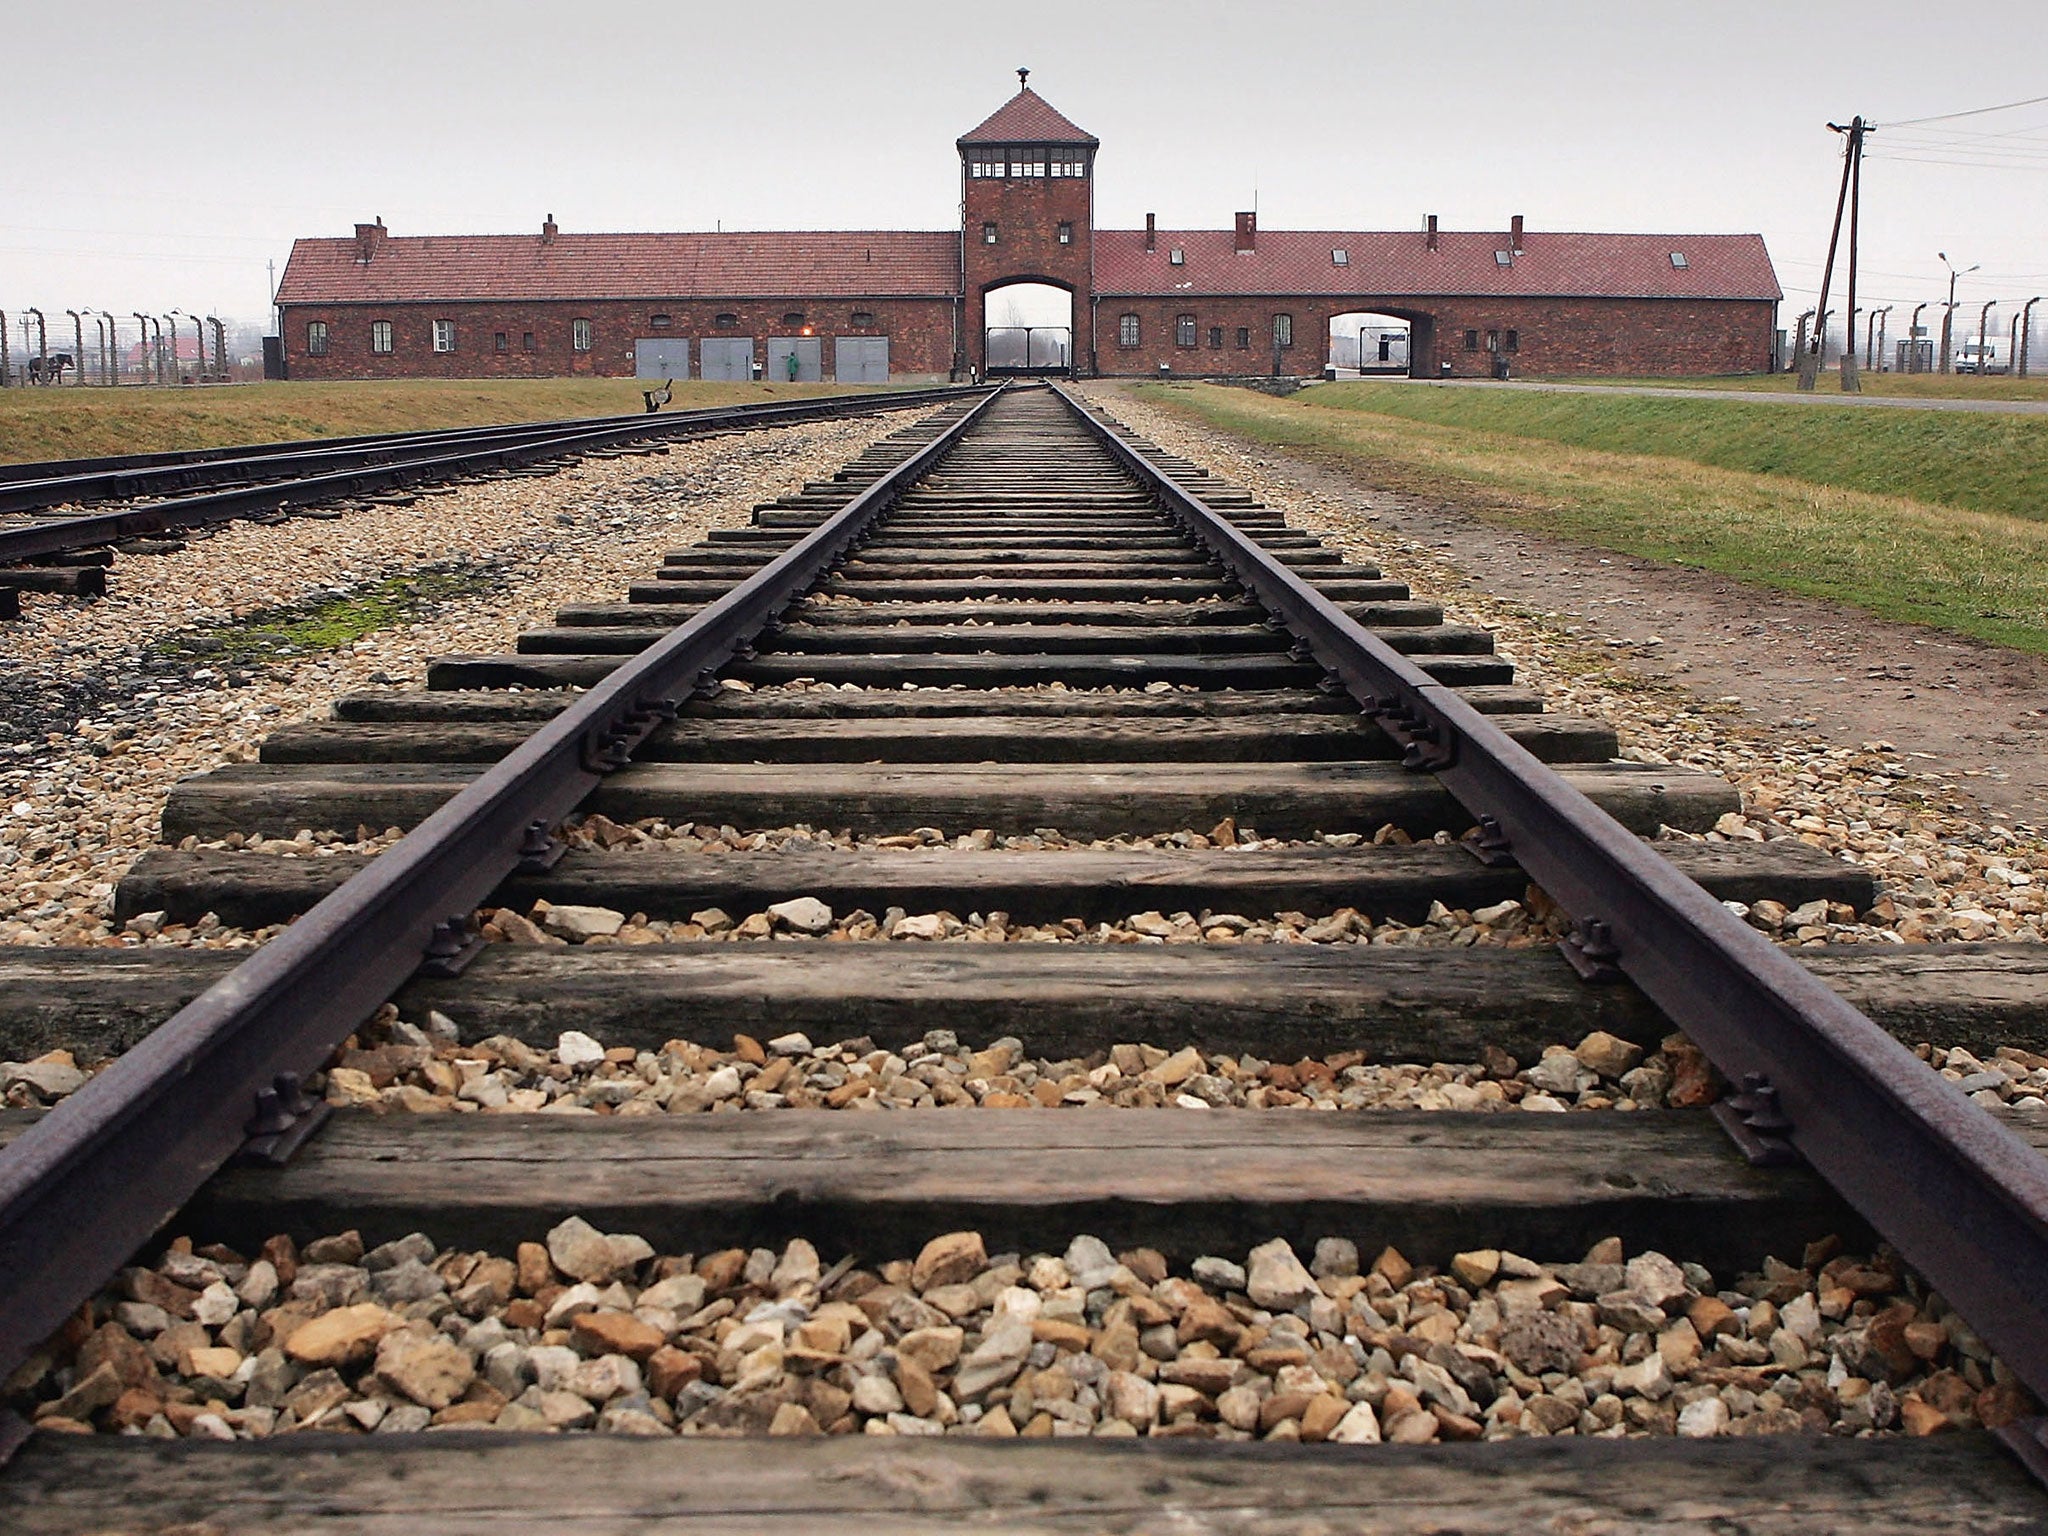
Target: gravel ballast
x=593 y=1330
x=103 y=710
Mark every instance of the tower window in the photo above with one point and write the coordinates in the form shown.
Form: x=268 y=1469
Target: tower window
x=1127 y=331
x=1066 y=234
x=1067 y=162
x=1027 y=160
x=1183 y=330
x=988 y=234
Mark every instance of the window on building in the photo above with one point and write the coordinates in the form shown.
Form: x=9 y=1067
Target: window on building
x=579 y=335
x=1183 y=330
x=1503 y=258
x=444 y=335
x=1066 y=234
x=501 y=342
x=986 y=161
x=988 y=234
x=1027 y=160
x=1244 y=338
x=1177 y=257
x=1493 y=341
x=863 y=317
x=659 y=322
x=316 y=338
x=793 y=317
x=1071 y=163
x=1678 y=260
x=1283 y=330
x=1216 y=337
x=380 y=335
x=725 y=322
x=1127 y=331
x=1340 y=257
x=527 y=342
x=1471 y=341
x=1514 y=341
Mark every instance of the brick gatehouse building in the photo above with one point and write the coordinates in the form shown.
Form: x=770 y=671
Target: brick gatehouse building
x=862 y=306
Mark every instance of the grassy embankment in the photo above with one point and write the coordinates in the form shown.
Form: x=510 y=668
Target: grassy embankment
x=66 y=423
x=1934 y=518
x=1915 y=386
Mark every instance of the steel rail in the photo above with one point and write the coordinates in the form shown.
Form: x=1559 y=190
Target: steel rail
x=58 y=534
x=229 y=456
x=1959 y=1195
x=89 y=1182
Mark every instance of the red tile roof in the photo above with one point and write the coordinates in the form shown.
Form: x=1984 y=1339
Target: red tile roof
x=1386 y=263
x=1027 y=118
x=776 y=264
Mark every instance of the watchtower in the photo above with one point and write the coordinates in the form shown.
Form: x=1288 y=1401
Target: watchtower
x=1027 y=210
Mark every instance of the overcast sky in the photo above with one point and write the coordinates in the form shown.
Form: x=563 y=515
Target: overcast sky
x=174 y=148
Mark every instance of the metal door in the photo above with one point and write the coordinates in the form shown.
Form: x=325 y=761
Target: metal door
x=860 y=359
x=809 y=352
x=727 y=357
x=661 y=357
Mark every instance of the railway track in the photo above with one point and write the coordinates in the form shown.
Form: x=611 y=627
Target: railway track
x=60 y=532
x=1111 y=687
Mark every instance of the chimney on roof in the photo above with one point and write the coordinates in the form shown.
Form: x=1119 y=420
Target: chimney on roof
x=1431 y=241
x=1515 y=234
x=1247 y=232
x=548 y=231
x=368 y=238
x=1151 y=232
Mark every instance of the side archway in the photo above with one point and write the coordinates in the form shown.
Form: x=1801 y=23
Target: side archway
x=1382 y=342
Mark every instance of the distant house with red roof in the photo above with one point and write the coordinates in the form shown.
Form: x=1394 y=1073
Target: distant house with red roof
x=868 y=305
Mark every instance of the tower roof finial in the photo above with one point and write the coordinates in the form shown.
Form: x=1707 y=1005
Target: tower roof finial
x=1023 y=77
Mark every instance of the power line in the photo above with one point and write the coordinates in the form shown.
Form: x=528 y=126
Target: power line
x=1947 y=117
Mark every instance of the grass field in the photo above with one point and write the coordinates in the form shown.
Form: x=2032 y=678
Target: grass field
x=1977 y=462
x=1925 y=561
x=1916 y=386
x=61 y=423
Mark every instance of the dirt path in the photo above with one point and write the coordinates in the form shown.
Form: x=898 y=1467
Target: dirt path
x=1976 y=712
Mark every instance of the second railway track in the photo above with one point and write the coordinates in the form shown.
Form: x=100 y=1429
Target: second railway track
x=1097 y=675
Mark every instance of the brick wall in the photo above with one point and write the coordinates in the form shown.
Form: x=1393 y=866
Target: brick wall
x=1552 y=336
x=920 y=333
x=1027 y=213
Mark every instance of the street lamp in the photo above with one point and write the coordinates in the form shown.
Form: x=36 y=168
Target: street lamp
x=1948 y=315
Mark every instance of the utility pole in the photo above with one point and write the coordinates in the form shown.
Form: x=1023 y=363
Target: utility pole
x=1809 y=359
x=1948 y=315
x=1857 y=131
